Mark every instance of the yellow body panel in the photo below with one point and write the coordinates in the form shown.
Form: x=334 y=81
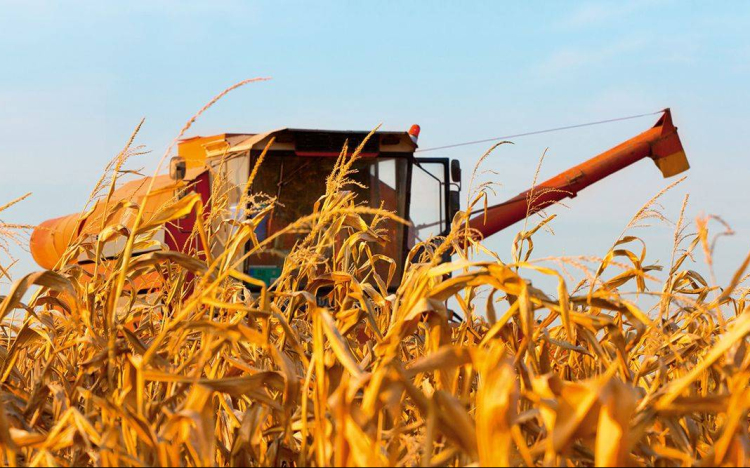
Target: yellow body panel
x=193 y=150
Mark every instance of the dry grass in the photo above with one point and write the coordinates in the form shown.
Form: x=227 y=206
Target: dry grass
x=326 y=367
x=11 y=233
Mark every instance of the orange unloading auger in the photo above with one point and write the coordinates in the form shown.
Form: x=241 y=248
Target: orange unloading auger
x=660 y=143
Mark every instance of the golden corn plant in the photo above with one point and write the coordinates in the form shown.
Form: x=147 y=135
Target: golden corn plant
x=327 y=367
x=11 y=233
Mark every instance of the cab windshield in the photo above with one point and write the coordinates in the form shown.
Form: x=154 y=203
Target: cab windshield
x=298 y=182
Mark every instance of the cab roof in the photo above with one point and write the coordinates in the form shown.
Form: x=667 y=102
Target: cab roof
x=304 y=142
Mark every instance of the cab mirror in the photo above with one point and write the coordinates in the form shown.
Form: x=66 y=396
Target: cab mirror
x=454 y=204
x=177 y=168
x=456 y=171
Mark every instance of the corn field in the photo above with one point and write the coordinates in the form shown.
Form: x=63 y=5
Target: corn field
x=327 y=367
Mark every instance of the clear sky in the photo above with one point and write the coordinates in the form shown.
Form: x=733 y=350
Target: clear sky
x=77 y=77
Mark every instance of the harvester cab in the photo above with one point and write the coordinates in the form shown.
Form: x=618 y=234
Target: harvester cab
x=295 y=169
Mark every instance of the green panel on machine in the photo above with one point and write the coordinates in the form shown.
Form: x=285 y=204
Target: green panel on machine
x=267 y=274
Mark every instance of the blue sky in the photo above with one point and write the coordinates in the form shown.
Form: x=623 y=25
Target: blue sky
x=78 y=76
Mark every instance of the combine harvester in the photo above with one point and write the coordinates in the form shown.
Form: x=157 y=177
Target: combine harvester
x=423 y=190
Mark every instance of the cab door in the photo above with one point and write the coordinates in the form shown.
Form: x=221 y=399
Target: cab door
x=428 y=210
